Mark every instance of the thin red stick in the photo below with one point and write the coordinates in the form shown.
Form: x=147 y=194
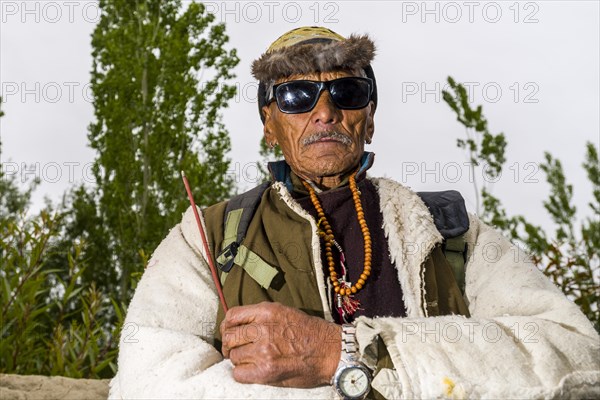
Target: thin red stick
x=213 y=270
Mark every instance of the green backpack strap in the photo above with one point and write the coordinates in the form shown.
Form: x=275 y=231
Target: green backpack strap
x=238 y=214
x=455 y=250
x=452 y=221
x=447 y=208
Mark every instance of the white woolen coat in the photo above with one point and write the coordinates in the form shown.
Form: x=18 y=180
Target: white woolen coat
x=524 y=338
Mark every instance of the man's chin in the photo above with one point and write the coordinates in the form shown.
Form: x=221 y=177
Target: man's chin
x=329 y=170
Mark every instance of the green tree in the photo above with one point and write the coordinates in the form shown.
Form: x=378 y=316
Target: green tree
x=154 y=117
x=571 y=256
x=50 y=323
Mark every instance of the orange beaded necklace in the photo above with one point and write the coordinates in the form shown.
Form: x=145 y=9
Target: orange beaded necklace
x=343 y=288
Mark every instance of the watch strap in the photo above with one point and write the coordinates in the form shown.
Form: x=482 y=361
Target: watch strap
x=349 y=360
x=349 y=345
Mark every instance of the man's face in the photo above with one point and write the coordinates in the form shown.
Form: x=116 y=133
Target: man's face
x=324 y=141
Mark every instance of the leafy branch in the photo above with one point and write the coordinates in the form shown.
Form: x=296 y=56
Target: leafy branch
x=571 y=256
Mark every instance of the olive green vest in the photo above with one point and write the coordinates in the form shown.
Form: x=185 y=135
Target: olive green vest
x=279 y=240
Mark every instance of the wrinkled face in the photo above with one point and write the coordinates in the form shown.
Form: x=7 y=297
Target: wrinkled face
x=324 y=141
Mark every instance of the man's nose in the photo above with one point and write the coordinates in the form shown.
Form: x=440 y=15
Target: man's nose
x=325 y=112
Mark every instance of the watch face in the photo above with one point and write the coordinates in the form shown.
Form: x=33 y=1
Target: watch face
x=354 y=382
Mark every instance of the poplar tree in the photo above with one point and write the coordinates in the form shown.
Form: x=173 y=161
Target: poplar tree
x=159 y=79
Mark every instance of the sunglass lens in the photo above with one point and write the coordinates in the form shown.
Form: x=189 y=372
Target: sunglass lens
x=351 y=93
x=296 y=97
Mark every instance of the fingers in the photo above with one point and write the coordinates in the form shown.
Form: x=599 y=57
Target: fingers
x=245 y=324
x=255 y=364
x=247 y=354
x=270 y=343
x=256 y=370
x=238 y=336
x=283 y=373
x=247 y=373
x=242 y=315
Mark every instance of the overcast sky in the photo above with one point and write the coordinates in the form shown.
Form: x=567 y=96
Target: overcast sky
x=534 y=66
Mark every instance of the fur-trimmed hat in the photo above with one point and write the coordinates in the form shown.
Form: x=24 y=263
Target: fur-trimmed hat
x=312 y=49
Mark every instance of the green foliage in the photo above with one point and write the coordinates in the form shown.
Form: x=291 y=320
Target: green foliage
x=559 y=204
x=11 y=198
x=157 y=78
x=570 y=257
x=51 y=323
x=48 y=325
x=482 y=146
x=153 y=119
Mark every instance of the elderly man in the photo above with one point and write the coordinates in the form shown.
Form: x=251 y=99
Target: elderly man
x=340 y=285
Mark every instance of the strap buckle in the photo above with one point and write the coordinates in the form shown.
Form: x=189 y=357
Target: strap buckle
x=226 y=256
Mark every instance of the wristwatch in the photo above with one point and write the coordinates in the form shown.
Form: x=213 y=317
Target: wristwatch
x=352 y=379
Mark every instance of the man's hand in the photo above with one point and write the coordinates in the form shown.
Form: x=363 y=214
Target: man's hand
x=269 y=343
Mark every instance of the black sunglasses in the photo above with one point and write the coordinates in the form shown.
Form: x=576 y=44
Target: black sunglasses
x=295 y=97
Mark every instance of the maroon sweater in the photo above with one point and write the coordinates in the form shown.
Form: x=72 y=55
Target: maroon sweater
x=381 y=296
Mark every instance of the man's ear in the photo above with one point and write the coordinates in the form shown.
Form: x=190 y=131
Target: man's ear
x=268 y=125
x=370 y=127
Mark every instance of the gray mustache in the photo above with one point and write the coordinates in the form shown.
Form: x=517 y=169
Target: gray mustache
x=340 y=137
